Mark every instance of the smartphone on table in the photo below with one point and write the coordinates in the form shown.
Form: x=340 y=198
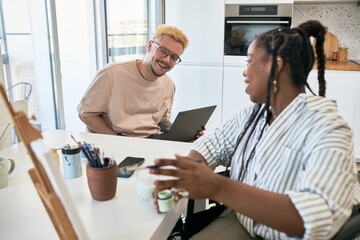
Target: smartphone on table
x=127 y=162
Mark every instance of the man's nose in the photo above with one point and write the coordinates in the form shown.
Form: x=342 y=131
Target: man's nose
x=168 y=58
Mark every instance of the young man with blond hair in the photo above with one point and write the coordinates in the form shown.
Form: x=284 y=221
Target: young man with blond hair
x=135 y=98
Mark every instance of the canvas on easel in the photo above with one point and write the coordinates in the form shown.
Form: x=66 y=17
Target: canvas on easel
x=46 y=178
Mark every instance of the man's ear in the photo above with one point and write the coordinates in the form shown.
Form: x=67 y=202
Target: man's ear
x=149 y=45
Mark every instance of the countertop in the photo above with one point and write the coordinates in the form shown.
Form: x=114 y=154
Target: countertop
x=342 y=66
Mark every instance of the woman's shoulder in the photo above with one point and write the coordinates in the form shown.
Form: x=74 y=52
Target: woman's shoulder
x=323 y=112
x=318 y=103
x=322 y=107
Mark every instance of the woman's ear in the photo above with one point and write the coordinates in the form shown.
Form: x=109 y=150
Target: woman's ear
x=279 y=63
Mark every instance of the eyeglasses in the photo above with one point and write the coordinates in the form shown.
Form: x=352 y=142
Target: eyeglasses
x=164 y=52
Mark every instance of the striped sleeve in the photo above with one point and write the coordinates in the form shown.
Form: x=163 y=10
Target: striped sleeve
x=325 y=192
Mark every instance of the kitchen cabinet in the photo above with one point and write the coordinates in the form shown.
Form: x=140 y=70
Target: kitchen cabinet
x=198 y=78
x=356 y=127
x=203 y=23
x=198 y=86
x=344 y=88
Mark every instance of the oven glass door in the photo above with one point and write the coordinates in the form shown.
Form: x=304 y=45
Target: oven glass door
x=241 y=31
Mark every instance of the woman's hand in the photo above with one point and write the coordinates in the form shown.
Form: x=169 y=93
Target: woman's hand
x=155 y=198
x=191 y=177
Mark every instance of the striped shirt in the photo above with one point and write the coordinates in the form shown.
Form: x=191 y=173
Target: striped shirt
x=307 y=153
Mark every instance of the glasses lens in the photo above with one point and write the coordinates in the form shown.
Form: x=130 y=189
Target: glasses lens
x=164 y=53
x=174 y=58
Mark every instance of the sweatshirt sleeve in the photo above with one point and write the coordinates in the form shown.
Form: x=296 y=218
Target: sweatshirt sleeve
x=97 y=97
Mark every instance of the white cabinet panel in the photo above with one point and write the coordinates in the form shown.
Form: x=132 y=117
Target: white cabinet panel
x=258 y=1
x=203 y=23
x=198 y=86
x=324 y=1
x=357 y=121
x=234 y=97
x=344 y=88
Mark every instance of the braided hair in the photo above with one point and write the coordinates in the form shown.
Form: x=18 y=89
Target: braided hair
x=294 y=47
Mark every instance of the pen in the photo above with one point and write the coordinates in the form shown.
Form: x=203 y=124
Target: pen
x=78 y=143
x=133 y=168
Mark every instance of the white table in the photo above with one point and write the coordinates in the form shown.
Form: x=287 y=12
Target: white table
x=23 y=216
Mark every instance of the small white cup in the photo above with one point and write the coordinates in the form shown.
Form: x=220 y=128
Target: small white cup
x=71 y=162
x=144 y=184
x=5 y=170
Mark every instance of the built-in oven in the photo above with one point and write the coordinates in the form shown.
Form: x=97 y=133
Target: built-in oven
x=243 y=22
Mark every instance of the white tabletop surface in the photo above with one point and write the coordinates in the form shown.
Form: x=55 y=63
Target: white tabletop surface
x=23 y=216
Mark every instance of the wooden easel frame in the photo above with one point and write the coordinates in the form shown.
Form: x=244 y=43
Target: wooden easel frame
x=51 y=201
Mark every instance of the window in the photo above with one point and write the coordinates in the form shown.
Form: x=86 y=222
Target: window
x=129 y=26
x=24 y=42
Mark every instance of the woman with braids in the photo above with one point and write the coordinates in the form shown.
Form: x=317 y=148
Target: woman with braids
x=291 y=156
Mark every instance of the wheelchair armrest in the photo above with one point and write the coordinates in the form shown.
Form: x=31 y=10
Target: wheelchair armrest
x=351 y=228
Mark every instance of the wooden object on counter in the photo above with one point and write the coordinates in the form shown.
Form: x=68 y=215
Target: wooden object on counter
x=331 y=43
x=341 y=66
x=343 y=54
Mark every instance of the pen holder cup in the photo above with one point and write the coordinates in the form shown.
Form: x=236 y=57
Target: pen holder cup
x=71 y=162
x=102 y=181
